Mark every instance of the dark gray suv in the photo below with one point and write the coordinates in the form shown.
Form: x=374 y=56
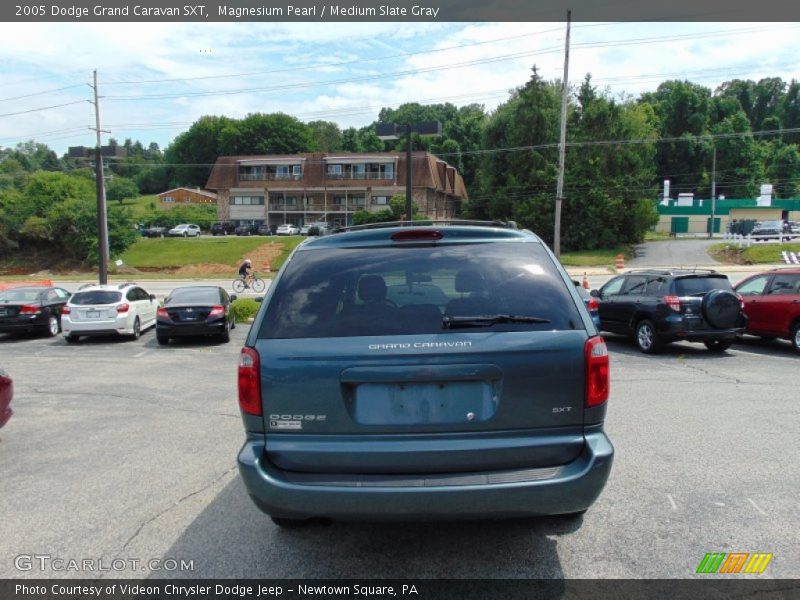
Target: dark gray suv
x=439 y=371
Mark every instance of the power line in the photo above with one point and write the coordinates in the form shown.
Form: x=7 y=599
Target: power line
x=23 y=112
x=52 y=91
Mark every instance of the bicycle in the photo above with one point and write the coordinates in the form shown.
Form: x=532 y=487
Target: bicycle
x=252 y=282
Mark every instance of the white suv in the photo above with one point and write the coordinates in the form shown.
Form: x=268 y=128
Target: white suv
x=184 y=230
x=124 y=309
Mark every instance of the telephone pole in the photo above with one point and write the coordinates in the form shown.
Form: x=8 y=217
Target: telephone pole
x=102 y=219
x=562 y=144
x=713 y=191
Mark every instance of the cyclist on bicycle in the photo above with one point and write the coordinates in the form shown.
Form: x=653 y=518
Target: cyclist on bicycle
x=246 y=272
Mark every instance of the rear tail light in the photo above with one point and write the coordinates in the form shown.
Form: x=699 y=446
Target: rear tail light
x=674 y=302
x=597 y=372
x=250 y=382
x=65 y=310
x=217 y=311
x=162 y=313
x=29 y=310
x=123 y=308
x=593 y=304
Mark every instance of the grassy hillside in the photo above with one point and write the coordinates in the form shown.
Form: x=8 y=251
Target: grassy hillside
x=177 y=252
x=756 y=254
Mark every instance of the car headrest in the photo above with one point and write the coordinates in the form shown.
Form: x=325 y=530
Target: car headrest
x=372 y=289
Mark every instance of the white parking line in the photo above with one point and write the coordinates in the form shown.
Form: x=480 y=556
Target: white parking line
x=672 y=502
x=767 y=356
x=756 y=506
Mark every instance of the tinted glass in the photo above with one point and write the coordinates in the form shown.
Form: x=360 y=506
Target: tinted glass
x=96 y=297
x=613 y=287
x=396 y=291
x=193 y=296
x=689 y=286
x=655 y=287
x=785 y=284
x=20 y=295
x=635 y=286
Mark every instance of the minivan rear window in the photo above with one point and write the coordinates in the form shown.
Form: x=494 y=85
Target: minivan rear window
x=95 y=297
x=345 y=292
x=689 y=286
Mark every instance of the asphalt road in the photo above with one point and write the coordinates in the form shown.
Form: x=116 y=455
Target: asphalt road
x=673 y=253
x=126 y=450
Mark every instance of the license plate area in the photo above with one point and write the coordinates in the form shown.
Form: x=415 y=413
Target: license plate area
x=92 y=314
x=423 y=403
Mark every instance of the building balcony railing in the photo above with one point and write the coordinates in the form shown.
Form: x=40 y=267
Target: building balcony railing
x=362 y=176
x=321 y=208
x=270 y=176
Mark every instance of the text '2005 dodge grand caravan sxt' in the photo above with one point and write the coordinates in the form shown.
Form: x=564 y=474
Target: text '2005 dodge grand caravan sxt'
x=423 y=372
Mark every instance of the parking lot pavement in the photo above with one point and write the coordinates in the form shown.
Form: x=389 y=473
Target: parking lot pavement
x=126 y=450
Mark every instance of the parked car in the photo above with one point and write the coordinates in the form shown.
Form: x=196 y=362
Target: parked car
x=772 y=304
x=194 y=311
x=6 y=395
x=768 y=230
x=287 y=229
x=794 y=227
x=247 y=229
x=318 y=228
x=265 y=229
x=304 y=229
x=423 y=372
x=154 y=231
x=32 y=309
x=184 y=230
x=591 y=303
x=124 y=309
x=661 y=306
x=223 y=228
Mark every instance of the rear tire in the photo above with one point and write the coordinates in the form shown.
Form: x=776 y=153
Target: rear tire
x=646 y=337
x=796 y=337
x=53 y=326
x=162 y=340
x=285 y=523
x=137 y=329
x=718 y=346
x=225 y=336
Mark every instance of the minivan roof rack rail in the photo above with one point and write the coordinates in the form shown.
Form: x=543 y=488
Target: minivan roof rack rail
x=427 y=222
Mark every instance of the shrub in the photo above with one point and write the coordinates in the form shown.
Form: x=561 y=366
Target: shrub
x=244 y=309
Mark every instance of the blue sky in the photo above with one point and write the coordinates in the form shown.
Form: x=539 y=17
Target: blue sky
x=341 y=72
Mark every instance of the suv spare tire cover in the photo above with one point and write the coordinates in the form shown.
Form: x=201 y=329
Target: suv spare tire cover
x=721 y=309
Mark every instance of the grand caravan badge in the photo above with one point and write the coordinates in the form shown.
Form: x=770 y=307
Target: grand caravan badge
x=421 y=345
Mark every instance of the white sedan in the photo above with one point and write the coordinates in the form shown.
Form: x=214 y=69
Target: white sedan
x=184 y=230
x=288 y=229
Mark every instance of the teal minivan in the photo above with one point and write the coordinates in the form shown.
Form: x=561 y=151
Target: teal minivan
x=443 y=370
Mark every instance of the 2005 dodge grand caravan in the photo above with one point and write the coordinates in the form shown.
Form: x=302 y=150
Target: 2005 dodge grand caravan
x=434 y=371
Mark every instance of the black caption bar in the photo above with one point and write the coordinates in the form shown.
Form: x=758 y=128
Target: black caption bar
x=396 y=10
x=384 y=589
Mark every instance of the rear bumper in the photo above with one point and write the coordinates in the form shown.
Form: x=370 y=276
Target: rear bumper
x=23 y=324
x=119 y=326
x=190 y=329
x=677 y=328
x=5 y=415
x=568 y=488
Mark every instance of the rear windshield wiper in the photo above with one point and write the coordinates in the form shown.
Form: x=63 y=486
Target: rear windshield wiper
x=488 y=320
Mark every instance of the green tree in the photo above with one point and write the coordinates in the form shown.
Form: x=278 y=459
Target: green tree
x=120 y=188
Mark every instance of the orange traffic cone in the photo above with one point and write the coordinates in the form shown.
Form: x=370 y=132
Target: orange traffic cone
x=585 y=282
x=266 y=268
x=620 y=262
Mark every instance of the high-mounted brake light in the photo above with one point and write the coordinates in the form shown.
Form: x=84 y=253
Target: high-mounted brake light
x=597 y=372
x=250 y=382
x=674 y=302
x=417 y=235
x=29 y=310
